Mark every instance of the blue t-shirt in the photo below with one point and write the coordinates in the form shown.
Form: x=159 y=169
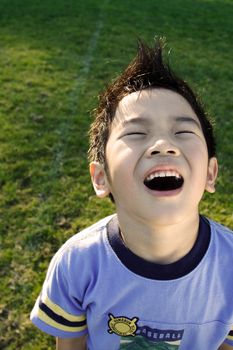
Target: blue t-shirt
x=95 y=285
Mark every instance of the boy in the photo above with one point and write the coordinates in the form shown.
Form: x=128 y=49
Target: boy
x=156 y=275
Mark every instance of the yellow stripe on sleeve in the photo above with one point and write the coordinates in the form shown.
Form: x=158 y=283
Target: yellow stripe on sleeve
x=230 y=335
x=59 y=311
x=45 y=318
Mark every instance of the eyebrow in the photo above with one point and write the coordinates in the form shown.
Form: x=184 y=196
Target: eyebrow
x=135 y=120
x=140 y=120
x=186 y=119
x=143 y=120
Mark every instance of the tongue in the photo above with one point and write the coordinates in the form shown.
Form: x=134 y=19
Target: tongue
x=167 y=183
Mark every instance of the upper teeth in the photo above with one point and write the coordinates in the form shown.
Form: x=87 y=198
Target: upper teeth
x=162 y=174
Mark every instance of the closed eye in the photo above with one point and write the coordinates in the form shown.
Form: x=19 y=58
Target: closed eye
x=185 y=132
x=135 y=133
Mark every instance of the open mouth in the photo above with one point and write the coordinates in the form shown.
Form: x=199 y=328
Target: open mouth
x=164 y=181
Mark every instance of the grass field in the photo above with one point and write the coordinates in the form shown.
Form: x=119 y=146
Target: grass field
x=55 y=58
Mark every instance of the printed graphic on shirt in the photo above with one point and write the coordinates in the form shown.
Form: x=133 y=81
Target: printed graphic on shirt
x=122 y=325
x=137 y=337
x=139 y=343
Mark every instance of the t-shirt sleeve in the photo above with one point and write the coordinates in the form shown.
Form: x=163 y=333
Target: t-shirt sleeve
x=58 y=310
x=229 y=338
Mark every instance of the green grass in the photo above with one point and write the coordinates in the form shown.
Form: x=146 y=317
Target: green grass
x=55 y=58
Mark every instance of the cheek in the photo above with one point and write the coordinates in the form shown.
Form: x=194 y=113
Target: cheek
x=120 y=170
x=196 y=151
x=199 y=167
x=121 y=166
x=119 y=158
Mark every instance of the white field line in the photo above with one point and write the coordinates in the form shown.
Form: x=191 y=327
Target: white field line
x=91 y=47
x=86 y=62
x=64 y=128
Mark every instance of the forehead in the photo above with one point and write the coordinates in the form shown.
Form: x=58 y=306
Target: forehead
x=153 y=104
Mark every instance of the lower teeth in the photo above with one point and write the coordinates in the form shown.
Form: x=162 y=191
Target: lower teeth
x=166 y=183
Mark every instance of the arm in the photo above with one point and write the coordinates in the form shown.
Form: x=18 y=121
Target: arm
x=225 y=347
x=71 y=343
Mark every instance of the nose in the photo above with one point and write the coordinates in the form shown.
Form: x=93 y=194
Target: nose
x=163 y=147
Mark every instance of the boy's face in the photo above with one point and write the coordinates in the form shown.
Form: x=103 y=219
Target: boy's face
x=157 y=159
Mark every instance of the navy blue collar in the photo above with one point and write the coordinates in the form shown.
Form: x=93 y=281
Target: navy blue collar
x=156 y=271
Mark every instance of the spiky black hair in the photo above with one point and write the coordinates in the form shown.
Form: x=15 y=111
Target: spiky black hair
x=147 y=70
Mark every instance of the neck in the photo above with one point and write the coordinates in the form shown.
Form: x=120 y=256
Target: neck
x=163 y=244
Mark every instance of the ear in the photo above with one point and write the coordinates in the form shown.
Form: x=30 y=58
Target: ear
x=211 y=175
x=99 y=179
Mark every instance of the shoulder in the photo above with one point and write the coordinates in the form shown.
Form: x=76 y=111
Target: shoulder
x=221 y=244
x=221 y=231
x=88 y=235
x=87 y=242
